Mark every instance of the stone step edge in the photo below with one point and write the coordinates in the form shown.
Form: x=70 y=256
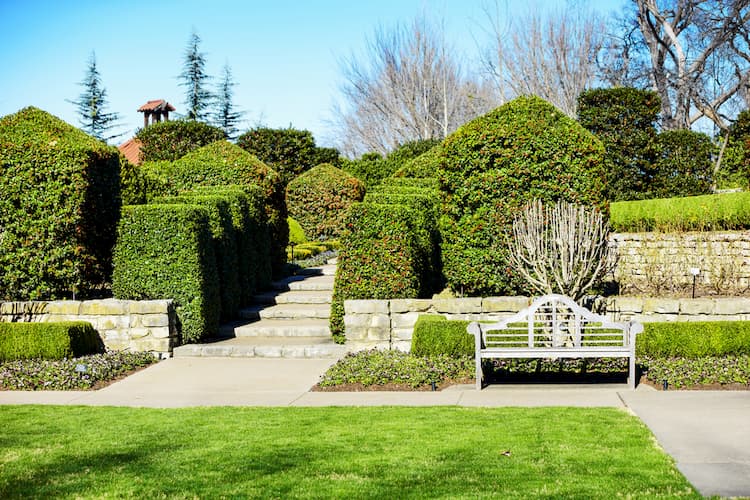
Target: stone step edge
x=329 y=351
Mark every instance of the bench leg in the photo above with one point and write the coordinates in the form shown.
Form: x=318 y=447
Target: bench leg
x=631 y=373
x=478 y=372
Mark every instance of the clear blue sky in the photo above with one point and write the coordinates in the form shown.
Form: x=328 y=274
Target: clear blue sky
x=284 y=54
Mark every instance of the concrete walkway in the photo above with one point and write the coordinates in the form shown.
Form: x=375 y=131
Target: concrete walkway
x=708 y=433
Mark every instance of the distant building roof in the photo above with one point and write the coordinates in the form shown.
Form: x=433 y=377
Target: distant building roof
x=156 y=105
x=131 y=149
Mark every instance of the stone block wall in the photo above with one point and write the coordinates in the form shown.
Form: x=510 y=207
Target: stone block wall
x=659 y=263
x=146 y=325
x=390 y=323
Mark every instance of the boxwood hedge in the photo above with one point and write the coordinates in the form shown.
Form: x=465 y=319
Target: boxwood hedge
x=694 y=339
x=171 y=140
x=226 y=247
x=490 y=167
x=378 y=258
x=319 y=198
x=223 y=163
x=166 y=252
x=59 y=206
x=48 y=340
x=434 y=335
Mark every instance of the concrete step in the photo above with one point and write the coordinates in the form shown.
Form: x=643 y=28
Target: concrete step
x=295 y=297
x=281 y=328
x=296 y=311
x=305 y=283
x=265 y=347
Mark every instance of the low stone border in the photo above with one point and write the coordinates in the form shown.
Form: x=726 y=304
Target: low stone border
x=136 y=325
x=390 y=323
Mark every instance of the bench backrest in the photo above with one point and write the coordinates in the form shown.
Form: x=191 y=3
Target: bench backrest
x=556 y=321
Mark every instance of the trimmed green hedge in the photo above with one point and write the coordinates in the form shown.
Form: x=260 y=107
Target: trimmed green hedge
x=715 y=212
x=490 y=168
x=61 y=340
x=409 y=182
x=423 y=166
x=223 y=163
x=434 y=335
x=173 y=139
x=59 y=206
x=694 y=339
x=319 y=198
x=226 y=246
x=378 y=258
x=296 y=233
x=166 y=252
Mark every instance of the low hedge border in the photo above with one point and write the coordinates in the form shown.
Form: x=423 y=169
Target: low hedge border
x=694 y=339
x=715 y=212
x=434 y=335
x=50 y=341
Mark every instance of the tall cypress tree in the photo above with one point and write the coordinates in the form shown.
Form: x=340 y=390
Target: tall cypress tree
x=91 y=105
x=195 y=79
x=225 y=115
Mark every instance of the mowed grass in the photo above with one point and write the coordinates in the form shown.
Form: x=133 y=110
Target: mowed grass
x=449 y=452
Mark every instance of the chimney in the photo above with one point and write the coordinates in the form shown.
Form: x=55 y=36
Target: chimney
x=155 y=109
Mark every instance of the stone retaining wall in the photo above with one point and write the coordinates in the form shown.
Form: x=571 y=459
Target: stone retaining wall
x=146 y=325
x=390 y=323
x=657 y=263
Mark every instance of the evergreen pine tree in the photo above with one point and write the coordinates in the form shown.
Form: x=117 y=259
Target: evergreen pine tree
x=91 y=106
x=194 y=78
x=225 y=115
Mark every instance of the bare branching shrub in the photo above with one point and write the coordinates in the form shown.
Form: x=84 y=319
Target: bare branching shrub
x=561 y=248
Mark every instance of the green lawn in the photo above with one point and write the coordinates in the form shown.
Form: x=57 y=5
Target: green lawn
x=331 y=452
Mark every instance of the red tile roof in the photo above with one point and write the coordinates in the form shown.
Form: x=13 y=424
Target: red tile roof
x=131 y=149
x=156 y=105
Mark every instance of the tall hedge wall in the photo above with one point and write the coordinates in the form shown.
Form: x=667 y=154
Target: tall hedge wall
x=490 y=167
x=223 y=163
x=166 y=252
x=226 y=247
x=319 y=198
x=378 y=258
x=59 y=206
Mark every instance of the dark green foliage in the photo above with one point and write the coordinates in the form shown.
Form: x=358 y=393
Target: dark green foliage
x=195 y=80
x=681 y=372
x=319 y=198
x=133 y=183
x=171 y=140
x=378 y=258
x=253 y=240
x=434 y=335
x=226 y=246
x=493 y=165
x=59 y=206
x=48 y=340
x=166 y=252
x=734 y=171
x=684 y=165
x=716 y=212
x=624 y=120
x=424 y=204
x=372 y=168
x=694 y=339
x=288 y=151
x=423 y=166
x=222 y=163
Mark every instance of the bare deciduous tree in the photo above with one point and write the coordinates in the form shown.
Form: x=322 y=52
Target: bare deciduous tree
x=409 y=87
x=552 y=56
x=561 y=248
x=700 y=56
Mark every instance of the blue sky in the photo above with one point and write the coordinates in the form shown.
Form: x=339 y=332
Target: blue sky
x=285 y=55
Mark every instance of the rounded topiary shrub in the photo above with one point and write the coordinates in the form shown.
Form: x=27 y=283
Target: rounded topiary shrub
x=489 y=168
x=423 y=166
x=223 y=163
x=174 y=139
x=319 y=199
x=59 y=207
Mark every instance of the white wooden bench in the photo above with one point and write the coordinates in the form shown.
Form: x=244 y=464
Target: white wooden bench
x=554 y=326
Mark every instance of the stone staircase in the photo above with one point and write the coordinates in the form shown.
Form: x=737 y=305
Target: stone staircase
x=289 y=321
